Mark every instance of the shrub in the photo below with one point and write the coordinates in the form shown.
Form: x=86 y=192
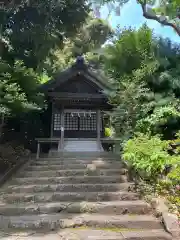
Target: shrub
x=174 y=174
x=108 y=132
x=147 y=155
x=176 y=143
x=164 y=120
x=10 y=153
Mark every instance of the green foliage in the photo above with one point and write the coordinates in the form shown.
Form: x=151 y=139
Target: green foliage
x=108 y=132
x=130 y=80
x=178 y=134
x=18 y=86
x=145 y=75
x=88 y=40
x=33 y=28
x=160 y=119
x=131 y=47
x=174 y=175
x=147 y=90
x=30 y=32
x=147 y=155
x=93 y=33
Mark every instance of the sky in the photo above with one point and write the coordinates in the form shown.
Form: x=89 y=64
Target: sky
x=131 y=16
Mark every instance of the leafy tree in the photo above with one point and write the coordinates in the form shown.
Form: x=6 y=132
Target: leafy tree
x=30 y=29
x=18 y=88
x=129 y=61
x=88 y=40
x=165 y=119
x=146 y=77
x=166 y=12
x=33 y=45
x=130 y=47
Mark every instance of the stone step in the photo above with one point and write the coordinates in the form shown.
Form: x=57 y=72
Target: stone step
x=113 y=207
x=88 y=233
x=56 y=161
x=102 y=155
x=71 y=172
x=82 y=146
x=68 y=196
x=76 y=179
x=112 y=234
x=74 y=166
x=83 y=154
x=56 y=221
x=68 y=188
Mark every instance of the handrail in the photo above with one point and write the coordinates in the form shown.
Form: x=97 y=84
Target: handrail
x=46 y=140
x=58 y=140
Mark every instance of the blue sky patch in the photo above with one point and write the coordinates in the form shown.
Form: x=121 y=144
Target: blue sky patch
x=131 y=16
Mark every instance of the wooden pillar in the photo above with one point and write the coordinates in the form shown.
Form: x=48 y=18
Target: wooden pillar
x=61 y=142
x=52 y=119
x=98 y=125
x=38 y=150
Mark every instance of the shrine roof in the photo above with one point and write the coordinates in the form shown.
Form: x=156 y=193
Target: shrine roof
x=78 y=68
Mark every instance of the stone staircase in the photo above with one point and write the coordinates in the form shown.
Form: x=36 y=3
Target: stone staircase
x=82 y=196
x=82 y=146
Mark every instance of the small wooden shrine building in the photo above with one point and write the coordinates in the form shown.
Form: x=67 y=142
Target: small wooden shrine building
x=78 y=100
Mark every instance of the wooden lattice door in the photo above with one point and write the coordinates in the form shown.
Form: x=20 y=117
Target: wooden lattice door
x=80 y=125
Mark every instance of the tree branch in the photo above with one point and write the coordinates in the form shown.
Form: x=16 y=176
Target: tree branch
x=164 y=22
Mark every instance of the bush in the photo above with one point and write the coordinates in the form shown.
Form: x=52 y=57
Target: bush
x=108 y=132
x=164 y=120
x=148 y=155
x=174 y=174
x=175 y=144
x=10 y=153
